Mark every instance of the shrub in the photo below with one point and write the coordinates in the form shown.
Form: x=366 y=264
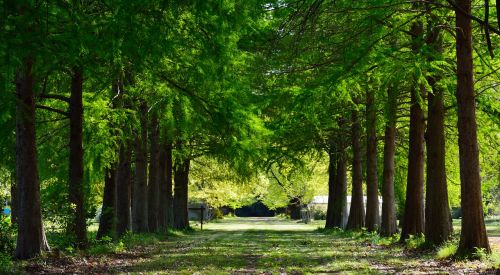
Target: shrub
x=7 y=235
x=415 y=241
x=319 y=214
x=105 y=246
x=6 y=265
x=446 y=250
x=217 y=214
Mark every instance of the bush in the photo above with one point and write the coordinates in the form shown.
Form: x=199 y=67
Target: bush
x=7 y=235
x=319 y=214
x=105 y=246
x=217 y=214
x=6 y=266
x=415 y=241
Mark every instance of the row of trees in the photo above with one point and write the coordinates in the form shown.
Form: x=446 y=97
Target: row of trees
x=116 y=99
x=352 y=69
x=110 y=103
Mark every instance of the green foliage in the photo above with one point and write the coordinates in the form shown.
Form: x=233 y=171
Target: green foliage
x=376 y=239
x=106 y=246
x=217 y=214
x=479 y=254
x=415 y=241
x=446 y=250
x=6 y=264
x=7 y=235
x=319 y=214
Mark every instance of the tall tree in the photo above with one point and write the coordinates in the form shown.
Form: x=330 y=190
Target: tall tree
x=181 y=180
x=357 y=211
x=332 y=175
x=438 y=225
x=76 y=188
x=372 y=204
x=473 y=234
x=153 y=183
x=388 y=225
x=107 y=218
x=413 y=218
x=31 y=239
x=122 y=190
x=165 y=203
x=140 y=198
x=340 y=193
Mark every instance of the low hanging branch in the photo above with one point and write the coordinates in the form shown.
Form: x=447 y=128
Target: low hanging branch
x=475 y=18
x=52 y=110
x=53 y=96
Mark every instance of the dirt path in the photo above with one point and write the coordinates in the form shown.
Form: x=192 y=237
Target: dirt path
x=257 y=246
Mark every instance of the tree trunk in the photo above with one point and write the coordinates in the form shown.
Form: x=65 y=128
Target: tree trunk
x=389 y=225
x=140 y=198
x=332 y=169
x=162 y=173
x=13 y=200
x=473 y=232
x=438 y=225
x=294 y=208
x=357 y=211
x=372 y=203
x=181 y=179
x=153 y=185
x=168 y=198
x=340 y=193
x=123 y=184
x=166 y=211
x=30 y=234
x=107 y=219
x=76 y=188
x=413 y=219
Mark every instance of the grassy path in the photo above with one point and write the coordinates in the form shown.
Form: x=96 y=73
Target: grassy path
x=261 y=246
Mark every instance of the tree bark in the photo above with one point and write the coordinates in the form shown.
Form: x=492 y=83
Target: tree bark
x=473 y=232
x=107 y=218
x=123 y=185
x=294 y=206
x=181 y=179
x=389 y=222
x=13 y=200
x=340 y=193
x=140 y=197
x=154 y=175
x=76 y=183
x=31 y=239
x=372 y=204
x=413 y=219
x=169 y=199
x=165 y=204
x=357 y=211
x=438 y=225
x=332 y=170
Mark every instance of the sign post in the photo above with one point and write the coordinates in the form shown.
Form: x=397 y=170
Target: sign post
x=202 y=215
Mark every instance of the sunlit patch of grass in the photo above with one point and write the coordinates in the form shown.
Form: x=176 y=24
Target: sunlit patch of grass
x=494 y=260
x=446 y=250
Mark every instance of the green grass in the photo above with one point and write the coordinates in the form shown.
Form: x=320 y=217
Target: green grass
x=253 y=246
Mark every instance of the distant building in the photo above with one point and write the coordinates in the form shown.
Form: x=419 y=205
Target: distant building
x=321 y=203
